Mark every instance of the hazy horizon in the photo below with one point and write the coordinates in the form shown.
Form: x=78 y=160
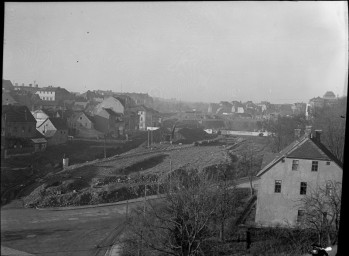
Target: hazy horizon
x=282 y=52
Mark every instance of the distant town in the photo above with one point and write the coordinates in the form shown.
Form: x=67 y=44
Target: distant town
x=50 y=115
x=62 y=150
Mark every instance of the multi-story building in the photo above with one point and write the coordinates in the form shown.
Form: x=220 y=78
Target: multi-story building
x=51 y=93
x=18 y=132
x=300 y=168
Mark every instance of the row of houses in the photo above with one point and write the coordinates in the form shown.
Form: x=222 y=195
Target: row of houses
x=56 y=114
x=250 y=110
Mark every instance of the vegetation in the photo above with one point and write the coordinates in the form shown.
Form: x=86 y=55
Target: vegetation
x=321 y=208
x=188 y=222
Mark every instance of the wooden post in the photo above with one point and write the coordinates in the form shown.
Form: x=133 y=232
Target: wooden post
x=148 y=138
x=127 y=210
x=105 y=150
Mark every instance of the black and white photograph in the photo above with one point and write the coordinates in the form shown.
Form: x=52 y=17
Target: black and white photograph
x=183 y=128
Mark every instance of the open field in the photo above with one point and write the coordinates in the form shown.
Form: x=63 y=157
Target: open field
x=124 y=176
x=19 y=175
x=121 y=177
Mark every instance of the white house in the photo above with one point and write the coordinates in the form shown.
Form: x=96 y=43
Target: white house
x=304 y=165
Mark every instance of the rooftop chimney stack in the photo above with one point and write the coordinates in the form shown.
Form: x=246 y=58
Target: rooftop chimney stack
x=307 y=131
x=30 y=85
x=318 y=135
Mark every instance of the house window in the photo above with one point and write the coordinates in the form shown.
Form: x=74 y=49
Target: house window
x=328 y=163
x=295 y=164
x=314 y=166
x=80 y=117
x=303 y=190
x=277 y=186
x=300 y=216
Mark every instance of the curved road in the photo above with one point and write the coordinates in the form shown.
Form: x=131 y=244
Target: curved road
x=72 y=232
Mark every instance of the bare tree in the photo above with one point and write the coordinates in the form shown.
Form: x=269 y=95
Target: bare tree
x=183 y=223
x=250 y=161
x=322 y=210
x=331 y=120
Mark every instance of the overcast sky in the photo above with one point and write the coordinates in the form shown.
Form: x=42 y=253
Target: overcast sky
x=284 y=52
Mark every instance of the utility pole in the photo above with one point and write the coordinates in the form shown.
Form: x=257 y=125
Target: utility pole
x=144 y=202
x=127 y=210
x=105 y=150
x=148 y=138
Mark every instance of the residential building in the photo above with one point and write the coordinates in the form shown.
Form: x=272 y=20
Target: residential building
x=317 y=102
x=17 y=131
x=304 y=165
x=53 y=94
x=237 y=107
x=55 y=130
x=141 y=99
x=7 y=99
x=148 y=117
x=78 y=122
x=30 y=88
x=112 y=103
x=7 y=86
x=109 y=122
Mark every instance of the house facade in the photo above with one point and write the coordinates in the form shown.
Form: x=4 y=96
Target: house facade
x=51 y=93
x=18 y=131
x=109 y=122
x=303 y=166
x=55 y=131
x=147 y=118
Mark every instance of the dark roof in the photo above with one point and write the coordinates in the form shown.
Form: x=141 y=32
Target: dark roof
x=329 y=94
x=58 y=123
x=267 y=158
x=17 y=114
x=112 y=112
x=7 y=84
x=38 y=135
x=122 y=101
x=303 y=148
x=49 y=133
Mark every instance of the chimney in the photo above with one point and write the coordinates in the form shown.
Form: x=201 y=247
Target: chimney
x=30 y=85
x=318 y=135
x=307 y=131
x=297 y=133
x=36 y=85
x=22 y=84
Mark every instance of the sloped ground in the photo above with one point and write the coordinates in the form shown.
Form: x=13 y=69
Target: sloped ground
x=120 y=178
